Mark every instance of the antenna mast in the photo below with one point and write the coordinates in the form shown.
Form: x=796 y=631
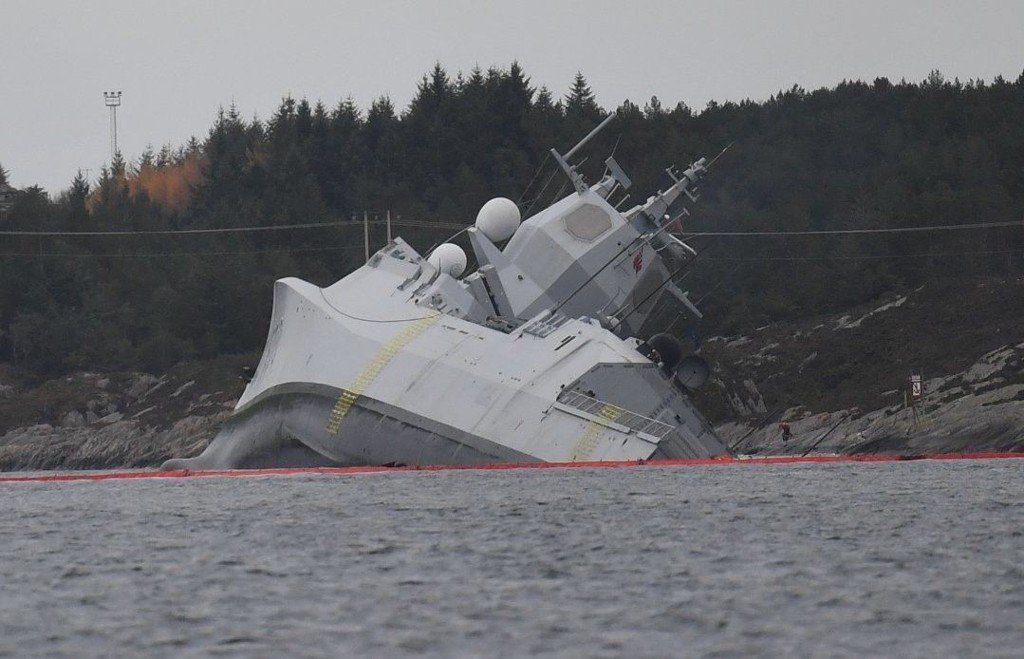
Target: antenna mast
x=563 y=161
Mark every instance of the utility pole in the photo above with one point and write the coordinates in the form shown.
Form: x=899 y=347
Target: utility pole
x=389 y=226
x=113 y=101
x=366 y=234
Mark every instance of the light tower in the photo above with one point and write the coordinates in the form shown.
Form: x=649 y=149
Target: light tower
x=113 y=100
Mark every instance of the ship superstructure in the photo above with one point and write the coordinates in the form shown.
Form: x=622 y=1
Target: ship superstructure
x=533 y=356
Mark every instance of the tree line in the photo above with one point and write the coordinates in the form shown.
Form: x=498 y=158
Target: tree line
x=860 y=154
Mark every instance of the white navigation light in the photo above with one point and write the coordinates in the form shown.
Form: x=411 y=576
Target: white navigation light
x=449 y=258
x=498 y=219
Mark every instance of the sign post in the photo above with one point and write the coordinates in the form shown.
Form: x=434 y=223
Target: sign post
x=915 y=392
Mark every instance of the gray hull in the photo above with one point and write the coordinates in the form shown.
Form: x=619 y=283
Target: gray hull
x=351 y=376
x=287 y=429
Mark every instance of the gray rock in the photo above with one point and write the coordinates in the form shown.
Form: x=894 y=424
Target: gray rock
x=73 y=419
x=182 y=388
x=141 y=384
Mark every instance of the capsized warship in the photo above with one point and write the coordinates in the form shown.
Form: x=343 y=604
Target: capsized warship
x=532 y=357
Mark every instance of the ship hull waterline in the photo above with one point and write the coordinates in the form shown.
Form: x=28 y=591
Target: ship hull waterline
x=284 y=429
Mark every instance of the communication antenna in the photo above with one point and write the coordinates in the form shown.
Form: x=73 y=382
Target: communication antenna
x=563 y=161
x=113 y=101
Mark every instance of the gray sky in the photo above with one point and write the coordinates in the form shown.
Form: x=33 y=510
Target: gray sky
x=178 y=61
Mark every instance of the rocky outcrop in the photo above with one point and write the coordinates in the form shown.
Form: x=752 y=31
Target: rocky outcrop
x=109 y=443
x=979 y=407
x=91 y=421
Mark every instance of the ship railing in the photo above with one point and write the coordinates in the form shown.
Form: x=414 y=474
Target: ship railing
x=615 y=415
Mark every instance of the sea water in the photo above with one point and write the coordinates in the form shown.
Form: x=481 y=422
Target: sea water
x=918 y=558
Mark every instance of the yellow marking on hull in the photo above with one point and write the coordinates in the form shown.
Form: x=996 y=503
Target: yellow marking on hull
x=587 y=442
x=378 y=362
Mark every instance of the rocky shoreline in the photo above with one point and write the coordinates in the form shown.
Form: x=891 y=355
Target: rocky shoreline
x=981 y=409
x=846 y=375
x=94 y=421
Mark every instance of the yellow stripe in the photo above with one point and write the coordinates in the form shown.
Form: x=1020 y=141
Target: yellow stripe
x=587 y=442
x=377 y=363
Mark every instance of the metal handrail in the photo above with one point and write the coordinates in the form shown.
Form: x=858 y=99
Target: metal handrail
x=622 y=416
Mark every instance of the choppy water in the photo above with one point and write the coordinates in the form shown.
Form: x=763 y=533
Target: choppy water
x=917 y=558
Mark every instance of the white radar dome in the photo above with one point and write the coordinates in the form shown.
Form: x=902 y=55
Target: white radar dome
x=448 y=258
x=498 y=219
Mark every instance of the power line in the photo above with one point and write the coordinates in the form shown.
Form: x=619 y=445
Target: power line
x=340 y=248
x=833 y=232
x=345 y=248
x=427 y=224
x=422 y=223
x=859 y=257
x=280 y=227
x=540 y=168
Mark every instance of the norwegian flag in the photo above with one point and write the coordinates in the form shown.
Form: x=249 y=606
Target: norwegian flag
x=638 y=262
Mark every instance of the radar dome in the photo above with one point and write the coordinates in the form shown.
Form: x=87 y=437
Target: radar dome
x=498 y=219
x=448 y=258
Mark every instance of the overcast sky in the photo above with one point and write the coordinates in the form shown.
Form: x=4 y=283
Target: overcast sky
x=178 y=61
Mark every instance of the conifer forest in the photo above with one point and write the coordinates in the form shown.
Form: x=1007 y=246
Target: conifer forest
x=873 y=154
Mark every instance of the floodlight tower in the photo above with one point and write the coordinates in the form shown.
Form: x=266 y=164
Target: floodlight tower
x=113 y=101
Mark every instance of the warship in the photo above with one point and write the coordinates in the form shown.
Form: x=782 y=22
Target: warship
x=535 y=356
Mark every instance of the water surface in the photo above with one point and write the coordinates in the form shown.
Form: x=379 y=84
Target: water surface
x=911 y=558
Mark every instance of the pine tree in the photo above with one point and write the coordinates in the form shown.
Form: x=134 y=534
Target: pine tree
x=580 y=100
x=431 y=95
x=79 y=190
x=653 y=108
x=545 y=101
x=382 y=112
x=546 y=117
x=304 y=118
x=165 y=157
x=77 y=196
x=146 y=161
